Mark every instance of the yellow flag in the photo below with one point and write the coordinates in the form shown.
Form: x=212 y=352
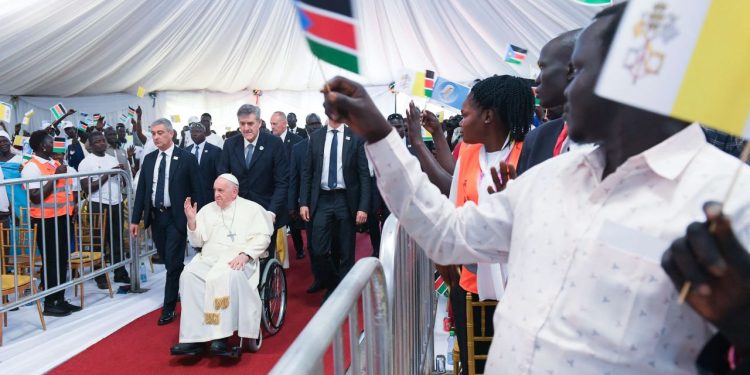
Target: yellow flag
x=418 y=88
x=5 y=111
x=687 y=61
x=18 y=141
x=176 y=119
x=141 y=91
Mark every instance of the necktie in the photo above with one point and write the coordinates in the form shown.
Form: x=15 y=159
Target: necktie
x=248 y=155
x=195 y=150
x=160 y=180
x=332 y=164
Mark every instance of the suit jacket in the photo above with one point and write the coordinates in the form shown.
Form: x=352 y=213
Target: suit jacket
x=539 y=144
x=289 y=142
x=356 y=173
x=209 y=165
x=296 y=164
x=266 y=182
x=301 y=132
x=184 y=181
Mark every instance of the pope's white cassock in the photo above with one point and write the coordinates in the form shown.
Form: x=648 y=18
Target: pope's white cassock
x=217 y=300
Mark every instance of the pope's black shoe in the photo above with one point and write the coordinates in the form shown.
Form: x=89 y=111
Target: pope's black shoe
x=219 y=347
x=167 y=317
x=187 y=348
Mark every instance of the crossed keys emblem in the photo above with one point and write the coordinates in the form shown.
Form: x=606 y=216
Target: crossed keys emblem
x=647 y=59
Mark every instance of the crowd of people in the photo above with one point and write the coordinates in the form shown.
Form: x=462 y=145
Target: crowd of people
x=585 y=228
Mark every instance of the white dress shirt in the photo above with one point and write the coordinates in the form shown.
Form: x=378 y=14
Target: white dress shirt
x=586 y=293
x=167 y=201
x=283 y=135
x=327 y=158
x=199 y=149
x=246 y=143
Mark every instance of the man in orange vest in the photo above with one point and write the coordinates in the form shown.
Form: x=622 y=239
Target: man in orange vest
x=51 y=205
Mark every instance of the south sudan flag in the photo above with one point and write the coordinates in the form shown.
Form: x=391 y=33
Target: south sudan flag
x=58 y=146
x=330 y=29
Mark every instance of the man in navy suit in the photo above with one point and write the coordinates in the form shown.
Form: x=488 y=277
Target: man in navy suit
x=208 y=157
x=335 y=195
x=548 y=139
x=260 y=162
x=279 y=128
x=169 y=175
x=296 y=163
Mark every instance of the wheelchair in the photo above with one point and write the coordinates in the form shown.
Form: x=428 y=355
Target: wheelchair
x=272 y=290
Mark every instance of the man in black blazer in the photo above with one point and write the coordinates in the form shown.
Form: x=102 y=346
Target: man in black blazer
x=208 y=157
x=169 y=175
x=279 y=128
x=260 y=162
x=335 y=194
x=296 y=163
x=291 y=119
x=554 y=61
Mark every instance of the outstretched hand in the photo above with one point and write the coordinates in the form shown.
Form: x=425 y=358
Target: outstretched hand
x=191 y=209
x=717 y=267
x=347 y=101
x=507 y=173
x=413 y=123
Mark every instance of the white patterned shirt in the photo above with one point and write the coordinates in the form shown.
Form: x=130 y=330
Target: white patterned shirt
x=586 y=292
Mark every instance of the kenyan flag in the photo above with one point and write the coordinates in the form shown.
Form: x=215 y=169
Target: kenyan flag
x=330 y=29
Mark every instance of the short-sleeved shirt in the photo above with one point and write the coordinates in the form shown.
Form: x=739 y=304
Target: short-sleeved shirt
x=110 y=193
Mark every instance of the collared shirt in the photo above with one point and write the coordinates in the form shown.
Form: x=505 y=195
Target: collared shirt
x=327 y=157
x=169 y=152
x=110 y=192
x=586 y=293
x=246 y=143
x=283 y=135
x=198 y=150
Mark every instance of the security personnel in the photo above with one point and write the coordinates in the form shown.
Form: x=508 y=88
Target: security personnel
x=51 y=205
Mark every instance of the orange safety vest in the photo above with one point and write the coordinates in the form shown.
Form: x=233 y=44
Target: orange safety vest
x=56 y=204
x=468 y=191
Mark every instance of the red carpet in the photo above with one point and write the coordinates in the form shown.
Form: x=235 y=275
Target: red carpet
x=142 y=347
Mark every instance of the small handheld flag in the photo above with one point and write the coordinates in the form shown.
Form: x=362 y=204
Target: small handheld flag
x=123 y=118
x=141 y=92
x=131 y=112
x=5 y=111
x=440 y=286
x=84 y=114
x=515 y=54
x=18 y=141
x=450 y=93
x=176 y=119
x=82 y=126
x=27 y=117
x=429 y=82
x=58 y=111
x=418 y=89
x=97 y=116
x=330 y=29
x=58 y=146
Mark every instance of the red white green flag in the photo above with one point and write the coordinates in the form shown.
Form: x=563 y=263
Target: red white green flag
x=330 y=29
x=58 y=111
x=440 y=286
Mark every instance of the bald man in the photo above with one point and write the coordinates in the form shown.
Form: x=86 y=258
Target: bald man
x=219 y=287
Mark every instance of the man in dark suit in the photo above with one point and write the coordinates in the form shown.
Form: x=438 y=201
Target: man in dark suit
x=208 y=157
x=168 y=176
x=279 y=128
x=296 y=164
x=259 y=161
x=291 y=118
x=548 y=139
x=335 y=194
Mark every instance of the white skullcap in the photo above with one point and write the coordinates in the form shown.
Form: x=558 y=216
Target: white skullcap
x=230 y=177
x=193 y=119
x=5 y=134
x=67 y=124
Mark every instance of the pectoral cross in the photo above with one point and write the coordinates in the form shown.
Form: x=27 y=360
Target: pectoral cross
x=231 y=236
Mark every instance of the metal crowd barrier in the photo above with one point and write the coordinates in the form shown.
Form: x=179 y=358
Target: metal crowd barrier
x=409 y=276
x=403 y=324
x=306 y=355
x=17 y=248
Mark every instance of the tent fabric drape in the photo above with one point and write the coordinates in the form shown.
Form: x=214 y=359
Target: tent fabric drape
x=64 y=48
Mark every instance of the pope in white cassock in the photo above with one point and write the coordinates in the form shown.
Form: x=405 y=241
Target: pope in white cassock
x=219 y=287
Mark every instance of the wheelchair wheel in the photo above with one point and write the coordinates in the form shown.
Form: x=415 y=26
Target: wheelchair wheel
x=273 y=295
x=255 y=344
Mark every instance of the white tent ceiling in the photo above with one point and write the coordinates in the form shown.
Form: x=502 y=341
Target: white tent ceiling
x=90 y=47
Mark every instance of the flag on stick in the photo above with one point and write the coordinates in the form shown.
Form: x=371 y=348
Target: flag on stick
x=18 y=141
x=141 y=91
x=58 y=146
x=664 y=53
x=131 y=112
x=330 y=29
x=450 y=93
x=82 y=126
x=58 y=111
x=515 y=54
x=440 y=286
x=27 y=117
x=176 y=119
x=123 y=118
x=429 y=82
x=5 y=111
x=418 y=89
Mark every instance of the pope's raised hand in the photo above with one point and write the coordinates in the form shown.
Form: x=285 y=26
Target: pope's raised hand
x=191 y=209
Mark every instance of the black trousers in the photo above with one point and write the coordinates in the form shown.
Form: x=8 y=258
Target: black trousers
x=53 y=239
x=332 y=218
x=296 y=225
x=170 y=245
x=114 y=232
x=374 y=228
x=458 y=305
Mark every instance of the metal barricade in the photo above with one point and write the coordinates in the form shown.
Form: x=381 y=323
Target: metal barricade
x=305 y=356
x=97 y=224
x=409 y=276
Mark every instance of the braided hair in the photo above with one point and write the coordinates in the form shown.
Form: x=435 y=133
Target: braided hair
x=511 y=99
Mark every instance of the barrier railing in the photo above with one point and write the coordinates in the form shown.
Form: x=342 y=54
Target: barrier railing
x=409 y=275
x=93 y=237
x=364 y=281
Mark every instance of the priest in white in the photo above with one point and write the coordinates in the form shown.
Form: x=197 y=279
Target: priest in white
x=219 y=287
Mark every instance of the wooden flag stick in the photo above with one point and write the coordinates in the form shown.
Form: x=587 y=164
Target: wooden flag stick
x=744 y=157
x=325 y=80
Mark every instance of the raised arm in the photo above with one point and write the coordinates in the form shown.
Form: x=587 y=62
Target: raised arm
x=436 y=173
